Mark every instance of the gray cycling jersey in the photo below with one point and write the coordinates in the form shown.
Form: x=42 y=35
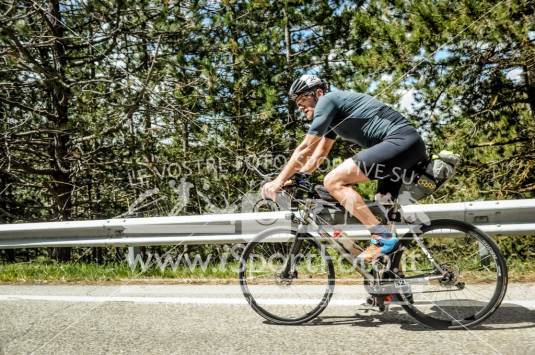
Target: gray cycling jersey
x=355 y=117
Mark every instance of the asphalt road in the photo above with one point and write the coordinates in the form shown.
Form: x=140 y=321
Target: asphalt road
x=158 y=319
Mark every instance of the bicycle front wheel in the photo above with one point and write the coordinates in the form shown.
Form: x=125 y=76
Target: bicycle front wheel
x=286 y=278
x=455 y=274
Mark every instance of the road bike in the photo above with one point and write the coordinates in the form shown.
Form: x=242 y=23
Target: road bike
x=445 y=273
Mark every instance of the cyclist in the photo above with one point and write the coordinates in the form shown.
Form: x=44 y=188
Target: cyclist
x=391 y=146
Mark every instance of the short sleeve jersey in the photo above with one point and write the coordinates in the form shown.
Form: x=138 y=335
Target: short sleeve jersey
x=354 y=117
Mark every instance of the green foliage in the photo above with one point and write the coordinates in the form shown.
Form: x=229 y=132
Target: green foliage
x=99 y=105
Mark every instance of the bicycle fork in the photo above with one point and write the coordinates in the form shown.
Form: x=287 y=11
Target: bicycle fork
x=288 y=272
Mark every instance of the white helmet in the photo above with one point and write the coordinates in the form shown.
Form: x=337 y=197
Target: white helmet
x=307 y=83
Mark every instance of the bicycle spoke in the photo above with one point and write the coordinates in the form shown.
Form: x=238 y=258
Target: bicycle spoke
x=297 y=285
x=470 y=285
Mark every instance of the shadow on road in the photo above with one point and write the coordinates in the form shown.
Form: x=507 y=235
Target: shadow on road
x=508 y=316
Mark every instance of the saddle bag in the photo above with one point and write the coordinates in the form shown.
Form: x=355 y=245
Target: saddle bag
x=431 y=175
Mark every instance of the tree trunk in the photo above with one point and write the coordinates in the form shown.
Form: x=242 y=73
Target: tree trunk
x=289 y=72
x=529 y=79
x=61 y=186
x=185 y=137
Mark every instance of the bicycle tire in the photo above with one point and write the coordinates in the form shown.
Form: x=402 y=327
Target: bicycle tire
x=256 y=303
x=498 y=293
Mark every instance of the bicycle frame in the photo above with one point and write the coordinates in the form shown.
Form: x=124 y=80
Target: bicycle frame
x=308 y=219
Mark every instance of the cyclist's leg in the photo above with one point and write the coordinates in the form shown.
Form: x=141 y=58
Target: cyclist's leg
x=339 y=183
x=394 y=157
x=389 y=159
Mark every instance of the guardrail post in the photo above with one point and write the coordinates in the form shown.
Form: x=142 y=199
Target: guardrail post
x=131 y=257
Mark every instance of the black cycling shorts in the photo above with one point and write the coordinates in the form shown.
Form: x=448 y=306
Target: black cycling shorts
x=391 y=160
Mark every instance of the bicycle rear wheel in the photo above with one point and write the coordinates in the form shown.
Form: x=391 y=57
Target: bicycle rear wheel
x=471 y=285
x=285 y=282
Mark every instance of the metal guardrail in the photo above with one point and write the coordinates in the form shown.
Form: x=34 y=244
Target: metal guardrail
x=509 y=217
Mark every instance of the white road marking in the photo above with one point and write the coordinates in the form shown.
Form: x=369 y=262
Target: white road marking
x=205 y=300
x=131 y=299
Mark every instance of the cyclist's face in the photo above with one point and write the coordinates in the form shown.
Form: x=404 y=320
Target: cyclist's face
x=306 y=102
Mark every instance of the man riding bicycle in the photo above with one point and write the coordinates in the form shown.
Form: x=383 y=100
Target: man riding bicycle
x=391 y=146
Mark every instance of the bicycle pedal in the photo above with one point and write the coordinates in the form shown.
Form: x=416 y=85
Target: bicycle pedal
x=370 y=301
x=380 y=303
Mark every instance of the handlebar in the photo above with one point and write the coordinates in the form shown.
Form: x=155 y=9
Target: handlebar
x=300 y=182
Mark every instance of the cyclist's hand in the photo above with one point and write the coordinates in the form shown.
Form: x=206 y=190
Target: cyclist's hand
x=288 y=183
x=270 y=189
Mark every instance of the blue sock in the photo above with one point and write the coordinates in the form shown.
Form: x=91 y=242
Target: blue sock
x=387 y=244
x=387 y=241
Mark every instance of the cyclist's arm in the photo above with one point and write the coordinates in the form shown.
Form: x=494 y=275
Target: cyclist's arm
x=320 y=153
x=300 y=157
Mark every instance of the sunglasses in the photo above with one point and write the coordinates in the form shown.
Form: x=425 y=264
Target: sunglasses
x=297 y=99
